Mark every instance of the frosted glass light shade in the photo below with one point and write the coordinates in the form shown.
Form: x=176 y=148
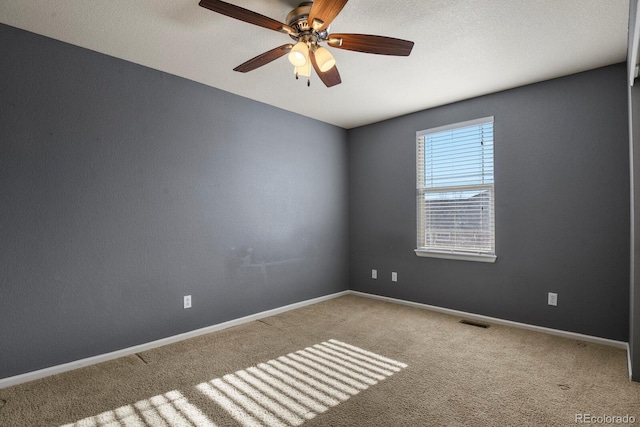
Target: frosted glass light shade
x=299 y=54
x=324 y=59
x=304 y=70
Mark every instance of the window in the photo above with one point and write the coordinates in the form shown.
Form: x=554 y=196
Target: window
x=455 y=191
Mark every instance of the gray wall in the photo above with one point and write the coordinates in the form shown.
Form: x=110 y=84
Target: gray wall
x=123 y=189
x=562 y=208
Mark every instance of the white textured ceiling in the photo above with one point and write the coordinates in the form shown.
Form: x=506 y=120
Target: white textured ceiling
x=463 y=48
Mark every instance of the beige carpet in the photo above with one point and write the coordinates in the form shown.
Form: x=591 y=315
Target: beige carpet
x=350 y=361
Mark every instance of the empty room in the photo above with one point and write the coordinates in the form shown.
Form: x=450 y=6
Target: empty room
x=319 y=213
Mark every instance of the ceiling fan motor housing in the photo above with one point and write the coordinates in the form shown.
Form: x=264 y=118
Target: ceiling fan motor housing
x=297 y=18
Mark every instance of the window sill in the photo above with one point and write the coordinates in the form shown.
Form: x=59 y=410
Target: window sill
x=462 y=256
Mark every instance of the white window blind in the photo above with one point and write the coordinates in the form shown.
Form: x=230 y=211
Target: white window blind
x=455 y=191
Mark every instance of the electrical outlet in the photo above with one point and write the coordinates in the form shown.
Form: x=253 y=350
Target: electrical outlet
x=394 y=277
x=552 y=299
x=187 y=301
x=374 y=274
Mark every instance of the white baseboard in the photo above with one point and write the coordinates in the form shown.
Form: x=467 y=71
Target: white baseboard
x=30 y=376
x=471 y=316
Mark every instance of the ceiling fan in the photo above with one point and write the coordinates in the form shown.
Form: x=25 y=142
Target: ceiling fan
x=308 y=26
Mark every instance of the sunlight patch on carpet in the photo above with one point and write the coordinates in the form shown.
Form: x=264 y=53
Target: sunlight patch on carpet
x=282 y=392
x=171 y=409
x=291 y=389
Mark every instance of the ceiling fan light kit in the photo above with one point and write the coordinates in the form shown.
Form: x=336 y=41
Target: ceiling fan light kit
x=308 y=26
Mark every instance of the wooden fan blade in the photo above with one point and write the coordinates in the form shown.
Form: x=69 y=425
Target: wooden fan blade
x=324 y=12
x=264 y=59
x=371 y=44
x=330 y=77
x=246 y=15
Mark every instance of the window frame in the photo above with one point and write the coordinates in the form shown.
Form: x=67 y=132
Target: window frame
x=424 y=251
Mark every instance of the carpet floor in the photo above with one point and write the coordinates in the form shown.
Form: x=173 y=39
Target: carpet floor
x=349 y=361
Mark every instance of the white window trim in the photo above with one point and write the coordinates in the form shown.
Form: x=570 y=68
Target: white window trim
x=455 y=126
x=462 y=256
x=443 y=254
